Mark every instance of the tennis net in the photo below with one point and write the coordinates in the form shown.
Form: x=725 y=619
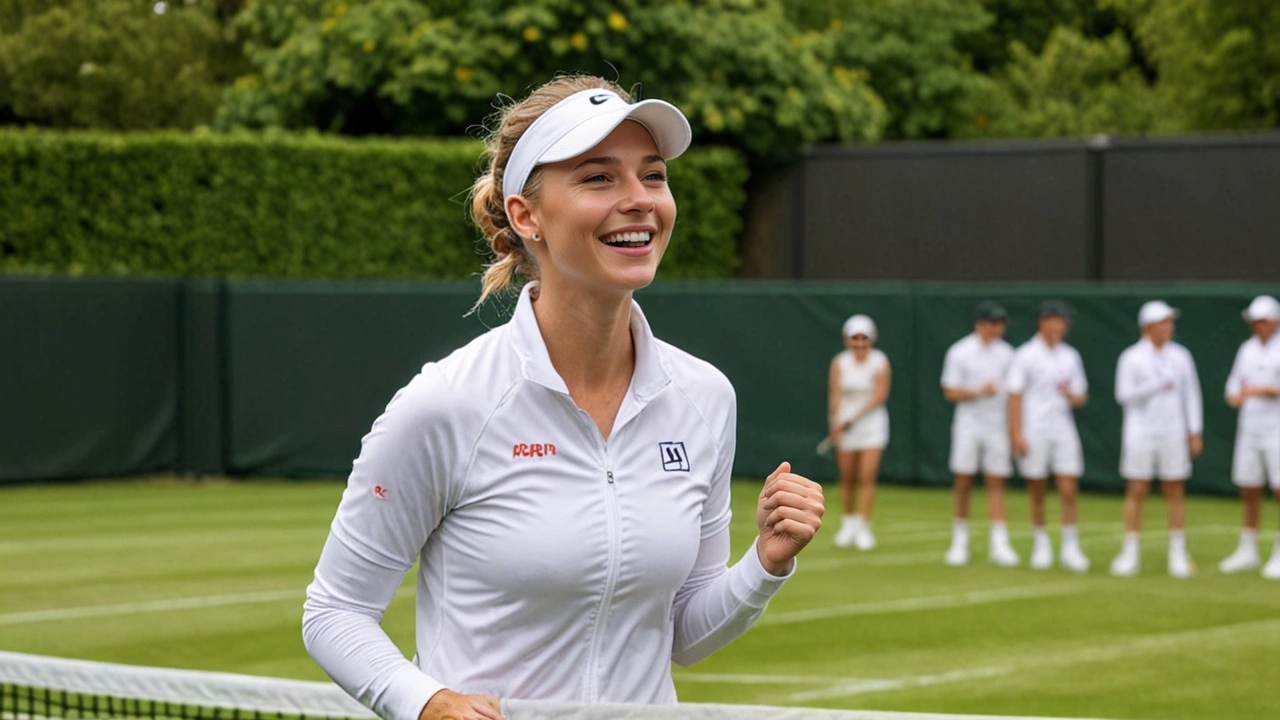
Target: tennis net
x=33 y=687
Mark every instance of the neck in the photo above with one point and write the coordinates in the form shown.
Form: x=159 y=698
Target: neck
x=1047 y=341
x=588 y=336
x=1158 y=343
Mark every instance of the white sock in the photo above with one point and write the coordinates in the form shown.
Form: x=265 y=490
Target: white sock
x=1249 y=540
x=851 y=520
x=959 y=531
x=1069 y=535
x=1276 y=547
x=1131 y=544
x=999 y=533
x=1177 y=542
x=861 y=521
x=1040 y=535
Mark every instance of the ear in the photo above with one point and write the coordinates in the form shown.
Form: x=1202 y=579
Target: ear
x=520 y=213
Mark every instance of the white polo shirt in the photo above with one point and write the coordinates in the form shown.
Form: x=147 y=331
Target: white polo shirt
x=1257 y=364
x=1035 y=373
x=553 y=565
x=969 y=365
x=1159 y=391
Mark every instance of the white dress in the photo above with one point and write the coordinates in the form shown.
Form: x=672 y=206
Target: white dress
x=857 y=384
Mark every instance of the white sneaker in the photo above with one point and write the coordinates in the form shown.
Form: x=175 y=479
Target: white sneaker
x=1126 y=565
x=1041 y=554
x=1073 y=559
x=1241 y=560
x=864 y=539
x=1180 y=565
x=957 y=554
x=1003 y=555
x=848 y=533
x=1271 y=570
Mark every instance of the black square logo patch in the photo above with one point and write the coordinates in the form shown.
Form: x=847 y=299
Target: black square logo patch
x=674 y=457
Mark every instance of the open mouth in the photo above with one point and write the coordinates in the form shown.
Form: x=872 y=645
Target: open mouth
x=627 y=239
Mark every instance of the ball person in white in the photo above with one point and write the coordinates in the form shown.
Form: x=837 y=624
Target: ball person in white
x=1254 y=388
x=1157 y=385
x=1046 y=384
x=973 y=376
x=857 y=388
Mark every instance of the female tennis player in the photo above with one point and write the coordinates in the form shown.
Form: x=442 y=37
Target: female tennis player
x=857 y=388
x=563 y=480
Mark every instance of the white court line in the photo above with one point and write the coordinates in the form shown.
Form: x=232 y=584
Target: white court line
x=932 y=602
x=34 y=616
x=929 y=557
x=748 y=679
x=1254 y=631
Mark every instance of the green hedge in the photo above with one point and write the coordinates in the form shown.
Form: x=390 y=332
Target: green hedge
x=290 y=206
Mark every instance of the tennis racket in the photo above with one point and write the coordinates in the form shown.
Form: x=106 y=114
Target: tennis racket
x=824 y=447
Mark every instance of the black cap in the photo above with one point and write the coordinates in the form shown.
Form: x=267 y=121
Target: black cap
x=990 y=311
x=1055 y=308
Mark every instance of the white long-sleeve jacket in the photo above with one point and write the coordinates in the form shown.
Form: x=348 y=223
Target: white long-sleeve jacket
x=1159 y=390
x=553 y=565
x=1257 y=364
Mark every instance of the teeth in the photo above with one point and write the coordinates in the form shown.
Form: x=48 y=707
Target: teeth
x=627 y=238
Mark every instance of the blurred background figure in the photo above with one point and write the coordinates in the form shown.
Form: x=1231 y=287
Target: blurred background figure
x=1046 y=383
x=858 y=386
x=1157 y=386
x=1254 y=387
x=973 y=375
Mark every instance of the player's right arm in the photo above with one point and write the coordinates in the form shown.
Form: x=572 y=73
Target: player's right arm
x=1132 y=385
x=1235 y=390
x=953 y=389
x=833 y=399
x=1015 y=384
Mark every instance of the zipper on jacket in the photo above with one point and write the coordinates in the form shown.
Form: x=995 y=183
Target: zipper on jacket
x=610 y=584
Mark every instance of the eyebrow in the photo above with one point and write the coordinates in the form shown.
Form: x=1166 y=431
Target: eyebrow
x=610 y=160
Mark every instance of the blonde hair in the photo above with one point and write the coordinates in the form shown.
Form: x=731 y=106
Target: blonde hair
x=488 y=210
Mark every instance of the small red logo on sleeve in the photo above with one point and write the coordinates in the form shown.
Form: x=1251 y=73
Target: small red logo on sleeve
x=379 y=492
x=533 y=450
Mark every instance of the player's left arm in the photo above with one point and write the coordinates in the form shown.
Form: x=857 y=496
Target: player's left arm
x=1078 y=391
x=1193 y=405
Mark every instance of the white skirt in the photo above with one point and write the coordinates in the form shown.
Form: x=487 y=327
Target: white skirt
x=869 y=433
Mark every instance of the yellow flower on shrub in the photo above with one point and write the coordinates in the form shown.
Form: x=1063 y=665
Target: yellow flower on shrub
x=617 y=21
x=339 y=10
x=463 y=73
x=578 y=41
x=531 y=34
x=370 y=45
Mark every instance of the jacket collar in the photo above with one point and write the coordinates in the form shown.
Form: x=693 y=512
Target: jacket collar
x=650 y=375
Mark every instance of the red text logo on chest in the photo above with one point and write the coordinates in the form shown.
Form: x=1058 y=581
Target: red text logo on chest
x=533 y=450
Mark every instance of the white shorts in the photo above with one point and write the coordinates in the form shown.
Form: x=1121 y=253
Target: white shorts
x=1054 y=454
x=985 y=448
x=1145 y=457
x=1257 y=460
x=869 y=433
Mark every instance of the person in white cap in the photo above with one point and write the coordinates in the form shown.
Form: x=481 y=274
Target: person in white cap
x=857 y=388
x=1046 y=383
x=1157 y=385
x=973 y=374
x=562 y=480
x=1254 y=387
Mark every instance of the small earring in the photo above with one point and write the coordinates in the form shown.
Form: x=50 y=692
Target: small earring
x=536 y=238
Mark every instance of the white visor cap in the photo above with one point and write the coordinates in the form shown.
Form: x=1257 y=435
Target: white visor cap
x=579 y=122
x=1263 y=307
x=1154 y=312
x=860 y=325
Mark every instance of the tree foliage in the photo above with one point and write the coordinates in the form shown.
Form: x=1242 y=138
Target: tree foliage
x=114 y=64
x=911 y=52
x=1218 y=60
x=1075 y=86
x=742 y=72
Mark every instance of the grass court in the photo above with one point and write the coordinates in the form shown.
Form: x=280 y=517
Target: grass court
x=210 y=575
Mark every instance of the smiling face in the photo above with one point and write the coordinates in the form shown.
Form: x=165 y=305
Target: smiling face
x=860 y=345
x=604 y=217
